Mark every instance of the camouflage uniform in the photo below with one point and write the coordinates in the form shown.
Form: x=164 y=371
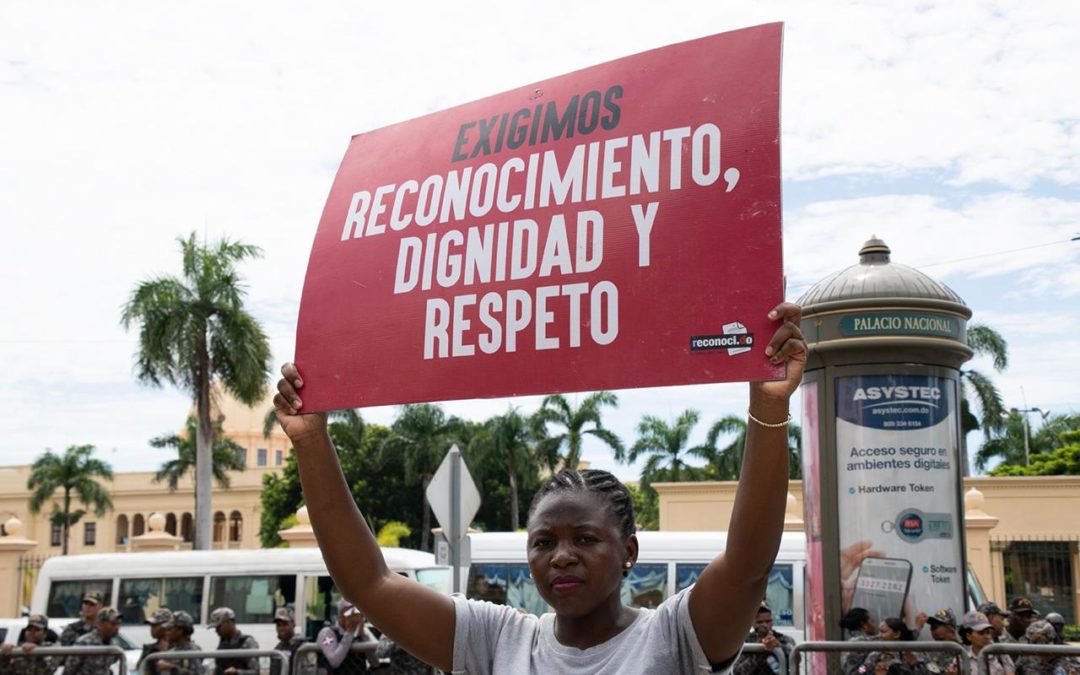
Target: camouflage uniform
x=73 y=631
x=160 y=616
x=869 y=666
x=22 y=664
x=289 y=647
x=850 y=661
x=1043 y=633
x=244 y=665
x=90 y=665
x=191 y=666
x=762 y=664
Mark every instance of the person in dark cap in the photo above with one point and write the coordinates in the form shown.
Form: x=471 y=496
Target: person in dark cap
x=91 y=605
x=1042 y=633
x=178 y=631
x=33 y=636
x=977 y=634
x=762 y=632
x=943 y=629
x=1021 y=614
x=223 y=620
x=1058 y=622
x=288 y=640
x=157 y=620
x=102 y=635
x=996 y=616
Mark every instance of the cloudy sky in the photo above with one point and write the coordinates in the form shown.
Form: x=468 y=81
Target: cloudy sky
x=951 y=130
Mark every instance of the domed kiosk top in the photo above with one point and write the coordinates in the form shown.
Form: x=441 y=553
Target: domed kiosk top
x=877 y=281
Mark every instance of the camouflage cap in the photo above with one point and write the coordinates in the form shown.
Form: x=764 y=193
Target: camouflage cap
x=991 y=609
x=37 y=621
x=975 y=621
x=160 y=615
x=110 y=615
x=944 y=617
x=1041 y=633
x=284 y=614
x=180 y=620
x=1022 y=606
x=1055 y=618
x=220 y=616
x=92 y=596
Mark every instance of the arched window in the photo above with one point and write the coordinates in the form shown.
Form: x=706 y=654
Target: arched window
x=236 y=527
x=121 y=530
x=170 y=523
x=187 y=528
x=138 y=525
x=219 y=527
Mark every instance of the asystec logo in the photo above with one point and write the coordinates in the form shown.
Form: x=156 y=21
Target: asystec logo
x=735 y=340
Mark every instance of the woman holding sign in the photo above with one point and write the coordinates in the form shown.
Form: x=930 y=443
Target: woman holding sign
x=581 y=543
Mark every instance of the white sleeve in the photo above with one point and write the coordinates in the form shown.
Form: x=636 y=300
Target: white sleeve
x=690 y=650
x=476 y=632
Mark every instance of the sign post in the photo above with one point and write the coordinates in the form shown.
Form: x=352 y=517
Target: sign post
x=454 y=500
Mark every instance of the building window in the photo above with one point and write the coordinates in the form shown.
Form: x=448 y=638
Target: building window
x=262 y=457
x=90 y=534
x=236 y=527
x=219 y=527
x=138 y=525
x=186 y=528
x=56 y=534
x=1042 y=572
x=277 y=458
x=241 y=457
x=170 y=523
x=121 y=530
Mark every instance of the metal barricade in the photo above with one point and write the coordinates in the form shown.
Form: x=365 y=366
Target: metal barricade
x=169 y=655
x=314 y=649
x=758 y=648
x=879 y=646
x=1019 y=649
x=61 y=654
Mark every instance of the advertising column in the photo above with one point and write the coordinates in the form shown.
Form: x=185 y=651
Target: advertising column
x=897 y=483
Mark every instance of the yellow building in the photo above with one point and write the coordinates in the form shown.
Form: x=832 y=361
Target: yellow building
x=1022 y=532
x=135 y=497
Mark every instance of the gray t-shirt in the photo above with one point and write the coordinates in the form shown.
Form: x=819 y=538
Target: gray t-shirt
x=498 y=640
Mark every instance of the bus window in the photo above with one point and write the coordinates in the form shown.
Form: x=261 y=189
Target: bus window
x=321 y=597
x=140 y=597
x=435 y=578
x=645 y=586
x=505 y=584
x=779 y=594
x=254 y=598
x=65 y=597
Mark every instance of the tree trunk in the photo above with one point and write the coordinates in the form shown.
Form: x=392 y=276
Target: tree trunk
x=67 y=523
x=204 y=440
x=514 y=516
x=425 y=522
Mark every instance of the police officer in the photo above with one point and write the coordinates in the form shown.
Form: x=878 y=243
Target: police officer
x=34 y=635
x=1021 y=614
x=91 y=605
x=996 y=616
x=223 y=620
x=288 y=640
x=943 y=629
x=102 y=635
x=762 y=632
x=156 y=622
x=1042 y=633
x=335 y=642
x=1058 y=622
x=178 y=630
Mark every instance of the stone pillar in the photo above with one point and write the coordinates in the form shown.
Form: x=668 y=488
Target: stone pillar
x=13 y=546
x=793 y=521
x=300 y=535
x=156 y=538
x=978 y=524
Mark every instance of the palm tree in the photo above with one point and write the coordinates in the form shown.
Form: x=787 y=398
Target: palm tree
x=576 y=422
x=194 y=331
x=1007 y=447
x=726 y=463
x=74 y=472
x=976 y=388
x=226 y=454
x=422 y=434
x=664 y=443
x=504 y=441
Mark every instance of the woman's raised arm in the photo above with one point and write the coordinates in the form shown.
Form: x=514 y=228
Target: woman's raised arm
x=418 y=618
x=726 y=597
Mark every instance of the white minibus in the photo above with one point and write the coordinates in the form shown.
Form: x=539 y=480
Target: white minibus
x=667 y=563
x=253 y=583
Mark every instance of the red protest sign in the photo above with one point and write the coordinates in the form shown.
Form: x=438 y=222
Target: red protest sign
x=614 y=227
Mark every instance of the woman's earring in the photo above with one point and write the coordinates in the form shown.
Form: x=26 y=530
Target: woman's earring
x=626 y=568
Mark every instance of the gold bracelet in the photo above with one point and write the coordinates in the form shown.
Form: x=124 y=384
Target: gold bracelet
x=766 y=424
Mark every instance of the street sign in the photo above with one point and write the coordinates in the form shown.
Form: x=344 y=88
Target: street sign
x=454 y=500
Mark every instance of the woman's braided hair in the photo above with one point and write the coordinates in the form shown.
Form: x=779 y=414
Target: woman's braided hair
x=599 y=482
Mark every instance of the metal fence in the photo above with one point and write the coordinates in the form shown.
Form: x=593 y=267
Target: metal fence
x=878 y=646
x=272 y=654
x=1012 y=648
x=60 y=655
